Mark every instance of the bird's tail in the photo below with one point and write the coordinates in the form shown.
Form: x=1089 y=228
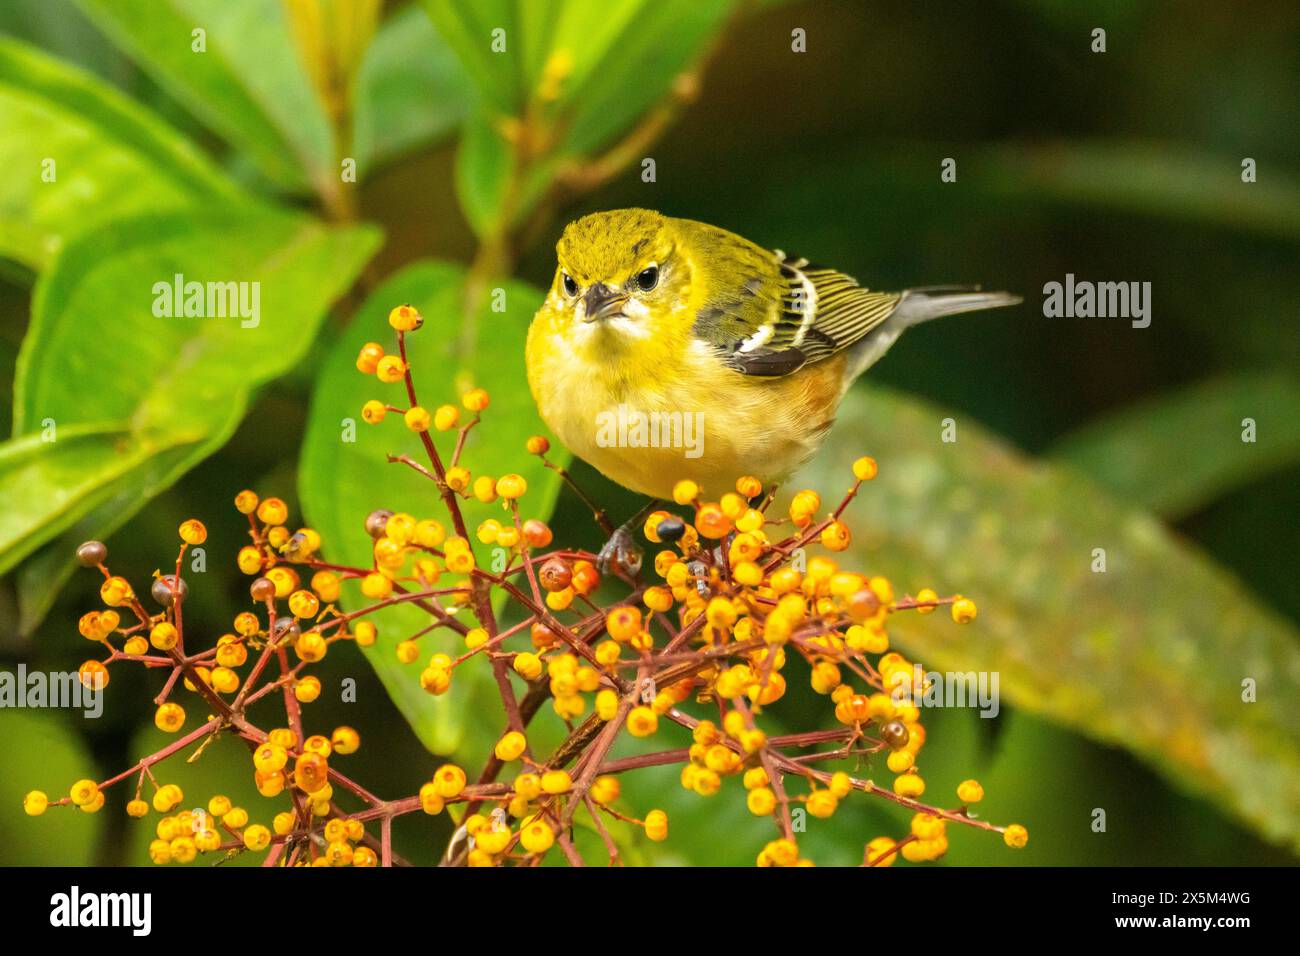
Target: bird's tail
x=933 y=302
x=917 y=306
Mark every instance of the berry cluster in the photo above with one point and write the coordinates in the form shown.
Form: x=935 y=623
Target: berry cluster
x=738 y=607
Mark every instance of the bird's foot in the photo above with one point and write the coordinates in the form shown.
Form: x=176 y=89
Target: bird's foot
x=620 y=551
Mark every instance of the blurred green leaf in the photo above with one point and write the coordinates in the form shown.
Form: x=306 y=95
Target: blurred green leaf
x=487 y=171
x=43 y=753
x=41 y=578
x=341 y=481
x=1149 y=655
x=248 y=86
x=411 y=90
x=1177 y=453
x=111 y=157
x=644 y=51
x=43 y=481
x=1167 y=181
x=583 y=69
x=95 y=353
x=466 y=26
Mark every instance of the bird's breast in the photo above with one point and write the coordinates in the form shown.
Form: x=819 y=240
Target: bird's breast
x=648 y=424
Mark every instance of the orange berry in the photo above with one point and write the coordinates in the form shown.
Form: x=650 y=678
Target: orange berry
x=193 y=532
x=405 y=318
x=712 y=522
x=368 y=358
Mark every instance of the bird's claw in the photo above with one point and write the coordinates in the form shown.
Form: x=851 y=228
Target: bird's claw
x=620 y=551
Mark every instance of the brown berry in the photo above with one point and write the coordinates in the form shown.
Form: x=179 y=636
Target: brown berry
x=92 y=554
x=555 y=574
x=895 y=734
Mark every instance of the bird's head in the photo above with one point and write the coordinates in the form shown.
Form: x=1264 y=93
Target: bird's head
x=620 y=276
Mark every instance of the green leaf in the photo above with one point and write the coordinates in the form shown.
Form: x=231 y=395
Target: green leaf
x=342 y=481
x=111 y=157
x=1164 y=181
x=50 y=479
x=43 y=752
x=620 y=56
x=486 y=165
x=1149 y=655
x=411 y=90
x=96 y=353
x=633 y=62
x=1177 y=453
x=466 y=26
x=249 y=86
x=40 y=579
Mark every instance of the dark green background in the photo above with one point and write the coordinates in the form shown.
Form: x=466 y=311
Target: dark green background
x=835 y=154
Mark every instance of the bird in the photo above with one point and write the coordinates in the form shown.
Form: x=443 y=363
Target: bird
x=670 y=349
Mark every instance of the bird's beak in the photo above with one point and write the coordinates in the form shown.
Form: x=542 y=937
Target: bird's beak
x=601 y=302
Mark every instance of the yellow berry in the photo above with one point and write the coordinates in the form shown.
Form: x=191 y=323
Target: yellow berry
x=909 y=785
x=35 y=802
x=642 y=721
x=257 y=837
x=685 y=491
x=373 y=412
x=536 y=836
x=417 y=419
x=969 y=791
x=164 y=636
x=761 y=801
x=193 y=532
x=864 y=469
x=390 y=369
x=304 y=604
x=376 y=585
x=511 y=746
x=169 y=717
x=431 y=801
x=345 y=740
x=485 y=491
x=556 y=781
x=511 y=487
x=405 y=318
x=476 y=399
x=307 y=689
x=964 y=610
x=528 y=665
x=1015 y=836
x=368 y=358
x=449 y=780
x=656 y=825
x=272 y=511
x=836 y=536
x=446 y=417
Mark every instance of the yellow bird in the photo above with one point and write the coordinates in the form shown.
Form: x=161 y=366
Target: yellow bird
x=669 y=349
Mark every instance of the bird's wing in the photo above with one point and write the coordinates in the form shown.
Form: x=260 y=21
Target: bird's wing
x=817 y=312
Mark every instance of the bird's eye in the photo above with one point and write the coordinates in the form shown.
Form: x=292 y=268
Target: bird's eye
x=570 y=287
x=647 y=278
